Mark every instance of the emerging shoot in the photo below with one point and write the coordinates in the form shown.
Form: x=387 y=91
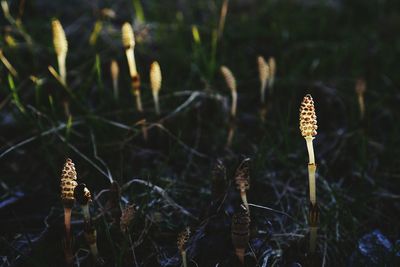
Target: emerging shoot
x=242 y=180
x=308 y=129
x=84 y=198
x=114 y=70
x=183 y=238
x=61 y=48
x=263 y=71
x=361 y=87
x=128 y=41
x=231 y=83
x=272 y=72
x=240 y=233
x=155 y=83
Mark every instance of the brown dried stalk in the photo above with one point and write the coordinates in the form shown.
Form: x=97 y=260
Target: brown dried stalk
x=183 y=238
x=155 y=82
x=361 y=87
x=128 y=214
x=308 y=129
x=114 y=70
x=61 y=48
x=242 y=180
x=240 y=233
x=231 y=83
x=263 y=71
x=272 y=72
x=222 y=18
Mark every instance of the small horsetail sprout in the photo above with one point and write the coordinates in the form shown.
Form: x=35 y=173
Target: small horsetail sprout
x=84 y=198
x=127 y=216
x=61 y=48
x=361 y=87
x=155 y=82
x=128 y=41
x=263 y=71
x=240 y=233
x=308 y=129
x=68 y=184
x=242 y=180
x=231 y=83
x=272 y=72
x=114 y=70
x=313 y=221
x=183 y=238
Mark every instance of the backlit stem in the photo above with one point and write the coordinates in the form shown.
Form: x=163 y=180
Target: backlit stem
x=130 y=55
x=184 y=259
x=234 y=102
x=313 y=238
x=62 y=68
x=311 y=180
x=361 y=105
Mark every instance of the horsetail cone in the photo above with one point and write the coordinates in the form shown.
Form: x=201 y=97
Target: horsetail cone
x=155 y=83
x=183 y=238
x=61 y=48
x=308 y=118
x=59 y=40
x=68 y=183
x=240 y=233
x=242 y=180
x=231 y=83
x=128 y=37
x=263 y=71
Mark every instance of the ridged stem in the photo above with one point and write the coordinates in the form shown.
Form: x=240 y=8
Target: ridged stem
x=313 y=238
x=184 y=258
x=62 y=68
x=240 y=254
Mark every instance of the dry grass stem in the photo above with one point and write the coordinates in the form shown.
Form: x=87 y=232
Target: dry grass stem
x=222 y=18
x=7 y=64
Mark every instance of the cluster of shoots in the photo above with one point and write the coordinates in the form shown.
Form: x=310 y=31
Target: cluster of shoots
x=128 y=41
x=240 y=233
x=242 y=180
x=155 y=83
x=61 y=48
x=361 y=87
x=182 y=241
x=71 y=192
